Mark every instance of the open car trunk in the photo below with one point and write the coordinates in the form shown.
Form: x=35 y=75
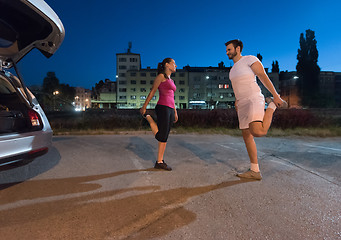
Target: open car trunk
x=28 y=24
x=16 y=115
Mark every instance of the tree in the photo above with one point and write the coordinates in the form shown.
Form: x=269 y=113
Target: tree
x=57 y=96
x=275 y=67
x=307 y=70
x=66 y=96
x=97 y=89
x=50 y=83
x=260 y=57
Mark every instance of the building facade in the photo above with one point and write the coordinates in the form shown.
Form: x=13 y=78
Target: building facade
x=201 y=87
x=139 y=84
x=82 y=99
x=125 y=62
x=105 y=97
x=209 y=87
x=329 y=88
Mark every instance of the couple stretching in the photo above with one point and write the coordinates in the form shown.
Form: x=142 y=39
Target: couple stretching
x=250 y=104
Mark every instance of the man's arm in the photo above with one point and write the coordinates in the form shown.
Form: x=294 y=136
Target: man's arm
x=259 y=71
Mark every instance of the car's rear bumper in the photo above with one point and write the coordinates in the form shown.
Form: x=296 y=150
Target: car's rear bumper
x=16 y=147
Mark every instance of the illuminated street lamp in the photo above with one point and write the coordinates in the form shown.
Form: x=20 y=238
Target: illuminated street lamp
x=55 y=93
x=211 y=102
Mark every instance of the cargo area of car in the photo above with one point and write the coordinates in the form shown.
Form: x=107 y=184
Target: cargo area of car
x=15 y=115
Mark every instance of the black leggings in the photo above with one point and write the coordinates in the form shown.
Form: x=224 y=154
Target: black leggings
x=165 y=118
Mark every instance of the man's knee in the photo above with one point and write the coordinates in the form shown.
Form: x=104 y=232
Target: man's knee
x=256 y=132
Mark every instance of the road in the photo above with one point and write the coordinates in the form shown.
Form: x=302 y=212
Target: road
x=105 y=187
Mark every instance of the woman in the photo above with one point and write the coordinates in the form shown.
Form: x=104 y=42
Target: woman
x=165 y=109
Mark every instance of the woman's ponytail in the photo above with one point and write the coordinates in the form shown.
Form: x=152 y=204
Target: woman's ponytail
x=161 y=67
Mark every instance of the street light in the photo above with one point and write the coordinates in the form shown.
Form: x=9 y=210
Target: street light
x=55 y=93
x=211 y=102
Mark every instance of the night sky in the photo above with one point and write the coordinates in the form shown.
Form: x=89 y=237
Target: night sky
x=191 y=32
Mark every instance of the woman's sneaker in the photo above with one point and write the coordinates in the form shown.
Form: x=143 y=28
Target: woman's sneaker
x=163 y=166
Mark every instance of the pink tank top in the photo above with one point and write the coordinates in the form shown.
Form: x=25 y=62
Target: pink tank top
x=166 y=93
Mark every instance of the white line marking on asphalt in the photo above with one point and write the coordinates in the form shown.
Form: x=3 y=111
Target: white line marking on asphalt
x=278 y=159
x=224 y=146
x=138 y=165
x=316 y=146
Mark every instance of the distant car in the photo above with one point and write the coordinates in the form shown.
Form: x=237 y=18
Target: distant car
x=25 y=131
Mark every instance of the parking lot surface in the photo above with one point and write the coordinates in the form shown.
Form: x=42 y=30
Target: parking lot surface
x=105 y=187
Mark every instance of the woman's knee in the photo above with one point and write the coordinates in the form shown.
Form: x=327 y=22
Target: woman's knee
x=161 y=137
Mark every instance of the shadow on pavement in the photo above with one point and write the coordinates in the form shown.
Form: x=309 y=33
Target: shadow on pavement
x=142 y=149
x=55 y=187
x=21 y=171
x=98 y=215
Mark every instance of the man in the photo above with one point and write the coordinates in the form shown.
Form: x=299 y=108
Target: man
x=250 y=101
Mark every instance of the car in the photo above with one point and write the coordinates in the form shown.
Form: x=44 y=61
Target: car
x=25 y=132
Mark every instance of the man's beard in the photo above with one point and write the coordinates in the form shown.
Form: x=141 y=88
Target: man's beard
x=232 y=55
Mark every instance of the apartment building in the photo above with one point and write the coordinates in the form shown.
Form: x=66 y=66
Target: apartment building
x=139 y=84
x=329 y=85
x=274 y=77
x=197 y=87
x=105 y=97
x=82 y=99
x=210 y=87
x=289 y=90
x=125 y=62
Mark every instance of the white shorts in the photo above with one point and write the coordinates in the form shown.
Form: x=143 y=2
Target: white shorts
x=250 y=109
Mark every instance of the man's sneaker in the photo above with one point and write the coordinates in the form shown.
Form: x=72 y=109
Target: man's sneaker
x=162 y=165
x=251 y=175
x=283 y=105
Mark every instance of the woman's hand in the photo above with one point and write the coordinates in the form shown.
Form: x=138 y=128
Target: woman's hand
x=142 y=110
x=176 y=118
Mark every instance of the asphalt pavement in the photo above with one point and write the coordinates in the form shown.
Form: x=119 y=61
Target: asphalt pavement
x=105 y=187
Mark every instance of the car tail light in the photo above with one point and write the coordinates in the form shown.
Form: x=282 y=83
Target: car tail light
x=37 y=152
x=34 y=118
